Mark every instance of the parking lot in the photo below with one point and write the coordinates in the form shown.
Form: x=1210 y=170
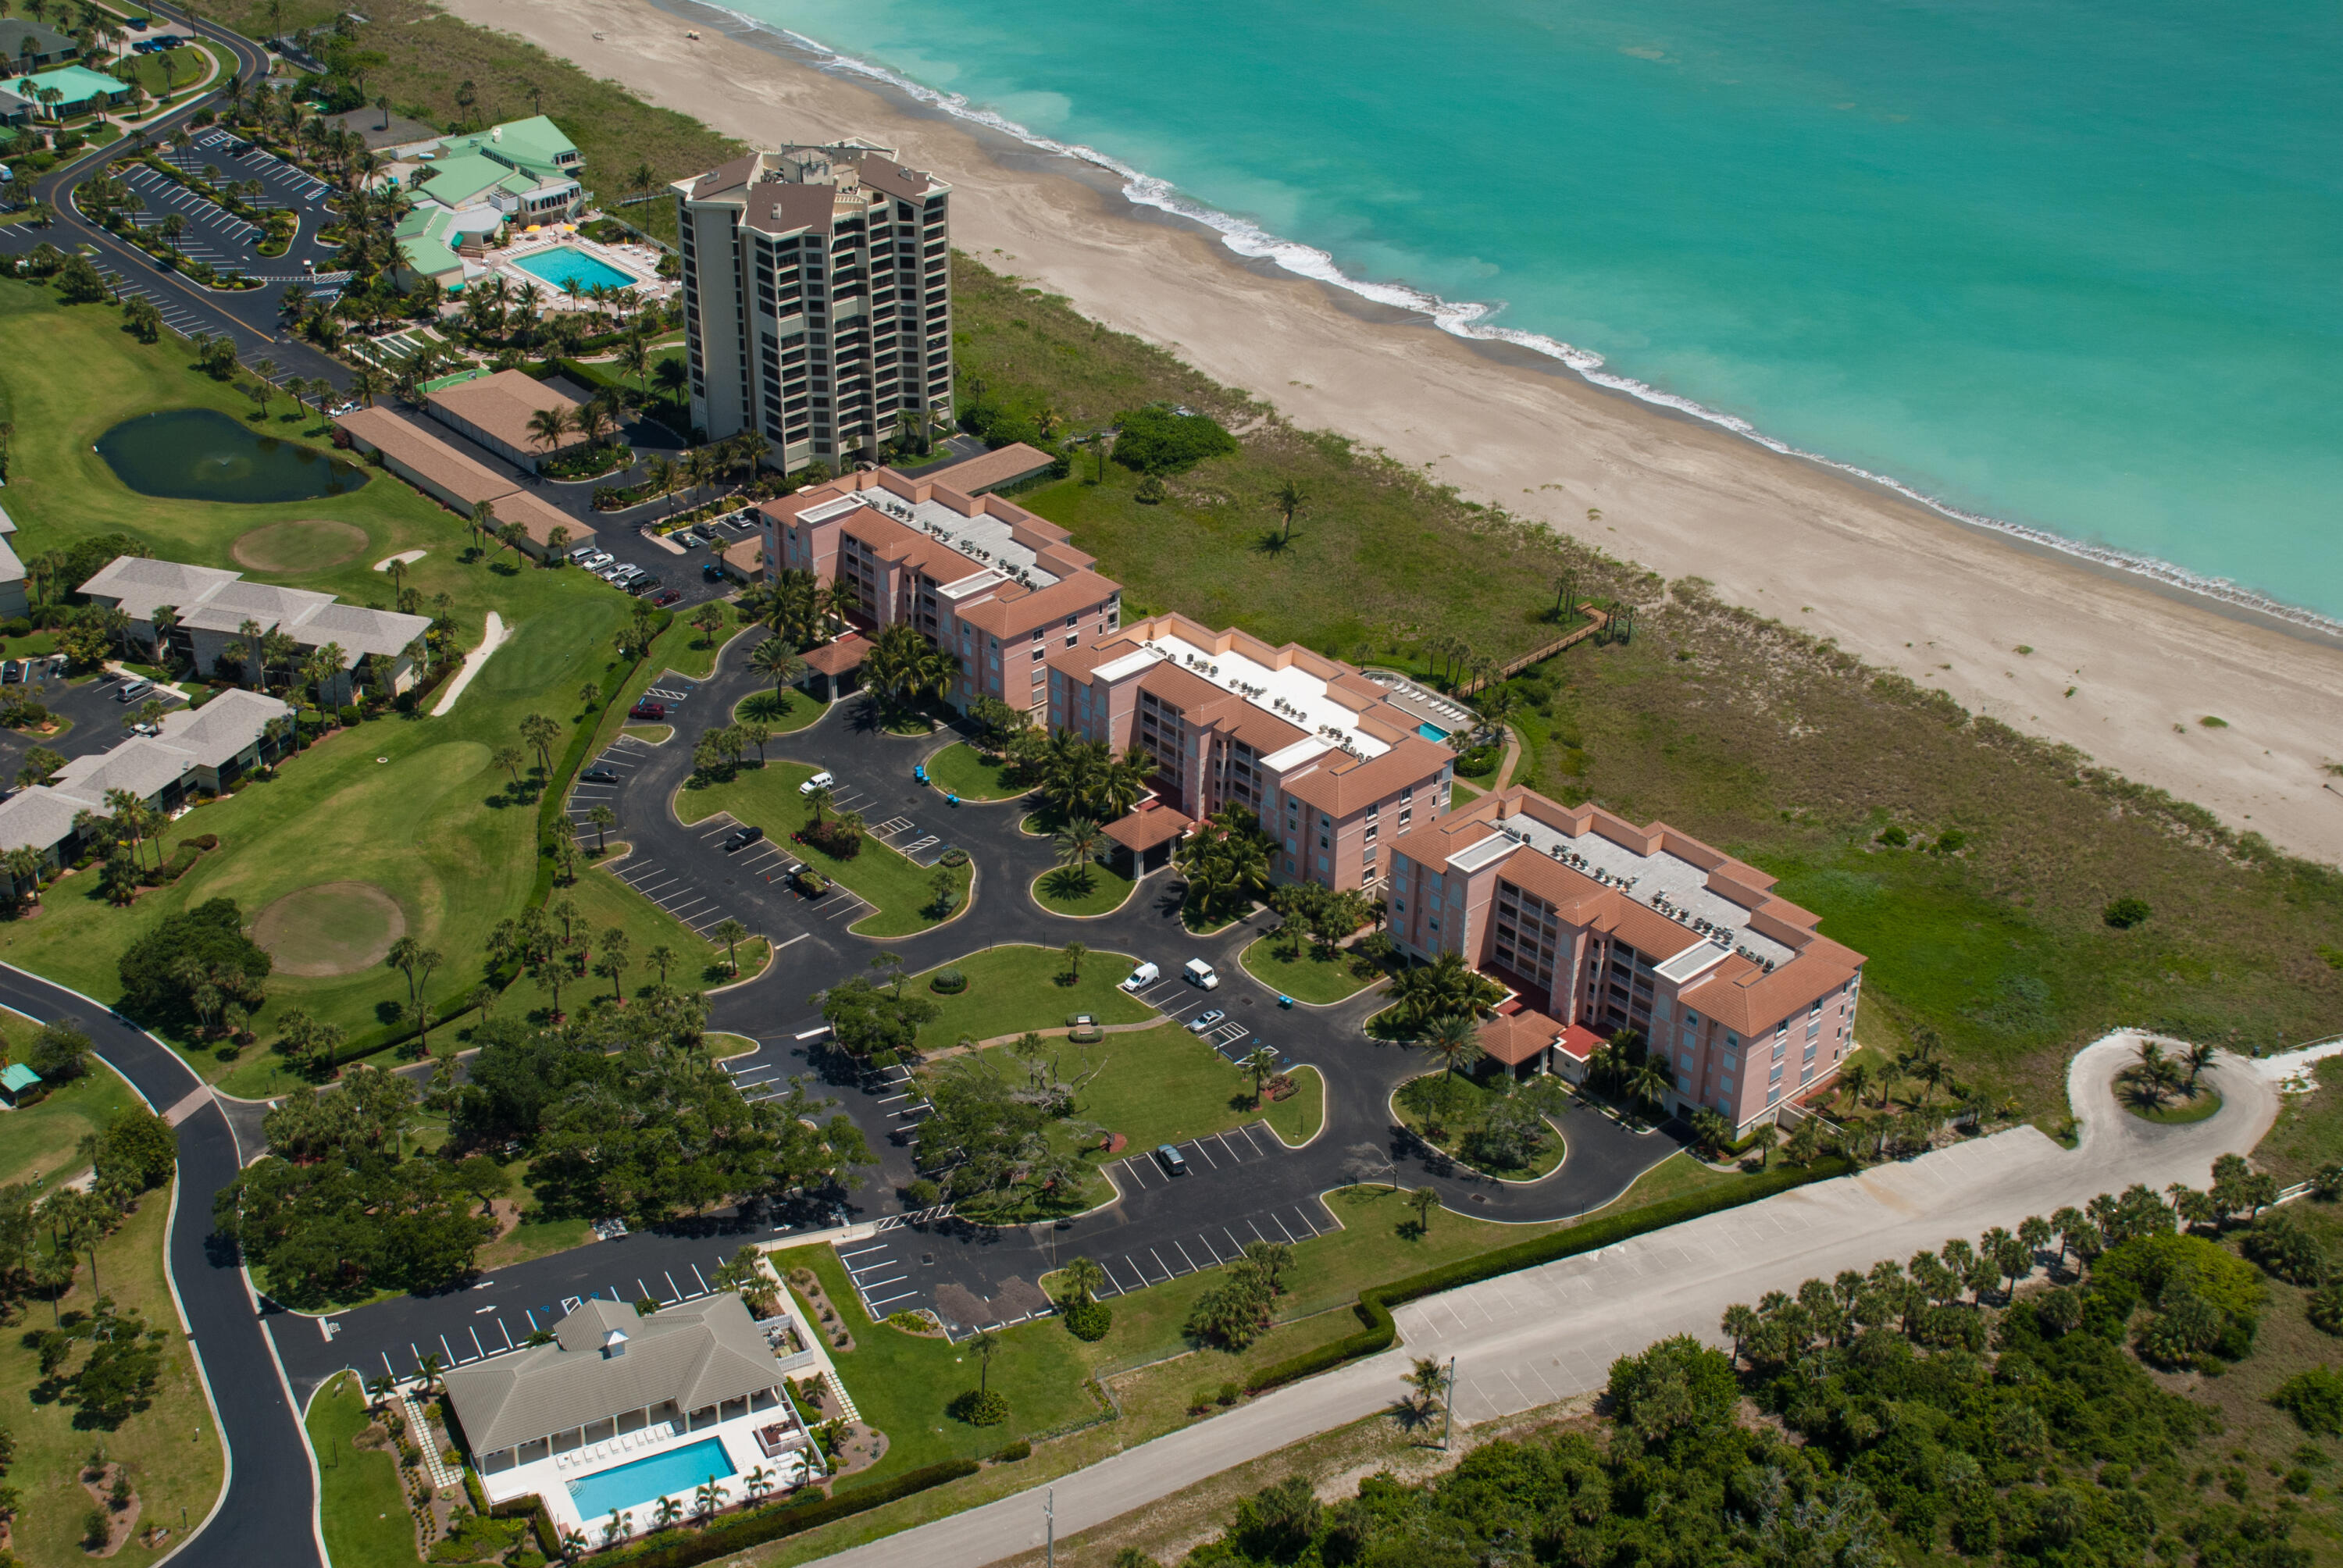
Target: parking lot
x=1235 y=1034
x=231 y=244
x=1163 y=1227
x=96 y=721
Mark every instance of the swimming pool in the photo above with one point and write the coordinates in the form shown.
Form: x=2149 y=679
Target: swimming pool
x=571 y=271
x=1432 y=732
x=629 y=1486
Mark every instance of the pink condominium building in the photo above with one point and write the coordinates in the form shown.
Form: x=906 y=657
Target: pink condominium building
x=1598 y=925
x=981 y=578
x=1334 y=767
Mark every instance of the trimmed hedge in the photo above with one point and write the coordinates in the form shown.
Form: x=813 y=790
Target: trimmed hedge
x=746 y=1530
x=531 y=1507
x=1375 y=1301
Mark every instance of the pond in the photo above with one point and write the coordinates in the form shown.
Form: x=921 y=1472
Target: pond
x=200 y=455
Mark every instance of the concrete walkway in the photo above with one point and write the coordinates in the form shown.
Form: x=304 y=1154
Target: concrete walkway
x=1543 y=1334
x=492 y=638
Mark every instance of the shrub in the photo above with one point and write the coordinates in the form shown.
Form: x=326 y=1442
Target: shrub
x=1153 y=491
x=922 y=1193
x=955 y=858
x=2283 y=1247
x=979 y=1407
x=210 y=934
x=1089 y=1320
x=1022 y=1449
x=742 y=1531
x=2326 y=1308
x=2156 y=1263
x=948 y=982
x=2315 y=1400
x=1479 y=762
x=349 y=715
x=1160 y=441
x=2125 y=912
x=18 y=626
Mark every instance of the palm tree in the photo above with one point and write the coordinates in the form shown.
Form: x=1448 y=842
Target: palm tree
x=2195 y=1060
x=1289 y=500
x=757 y=1482
x=1083 y=1277
x=1648 y=1081
x=731 y=933
x=603 y=820
x=709 y=1498
x=1075 y=952
x=984 y=1342
x=1455 y=1039
x=379 y=1388
x=548 y=427
x=1260 y=1062
x=1078 y=845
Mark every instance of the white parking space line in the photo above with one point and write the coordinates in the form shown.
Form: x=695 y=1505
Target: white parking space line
x=1199 y=1147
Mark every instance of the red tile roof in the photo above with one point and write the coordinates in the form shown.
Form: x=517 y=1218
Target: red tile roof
x=1143 y=829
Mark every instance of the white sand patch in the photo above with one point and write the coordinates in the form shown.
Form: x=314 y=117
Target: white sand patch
x=492 y=640
x=407 y=557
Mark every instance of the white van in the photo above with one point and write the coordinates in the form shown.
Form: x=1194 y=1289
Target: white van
x=1143 y=977
x=1199 y=972
x=134 y=691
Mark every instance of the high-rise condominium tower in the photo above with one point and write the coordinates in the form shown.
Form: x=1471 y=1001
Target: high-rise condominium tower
x=817 y=297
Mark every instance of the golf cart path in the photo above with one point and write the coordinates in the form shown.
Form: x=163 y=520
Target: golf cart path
x=490 y=640
x=1549 y=1333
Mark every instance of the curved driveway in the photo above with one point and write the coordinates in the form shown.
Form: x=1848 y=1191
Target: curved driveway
x=255 y=1519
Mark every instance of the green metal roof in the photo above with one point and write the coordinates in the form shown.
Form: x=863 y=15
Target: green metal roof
x=535 y=145
x=77 y=83
x=17 y=1076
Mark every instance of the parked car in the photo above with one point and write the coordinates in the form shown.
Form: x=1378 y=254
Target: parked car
x=594 y=560
x=810 y=882
x=643 y=585
x=1143 y=977
x=665 y=597
x=583 y=551
x=713 y=571
x=143 y=729
x=598 y=776
x=819 y=781
x=647 y=708
x=741 y=838
x=13 y=671
x=1206 y=1021
x=134 y=690
x=1199 y=973
x=1175 y=1164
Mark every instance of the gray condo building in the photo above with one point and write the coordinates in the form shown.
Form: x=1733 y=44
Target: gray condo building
x=817 y=297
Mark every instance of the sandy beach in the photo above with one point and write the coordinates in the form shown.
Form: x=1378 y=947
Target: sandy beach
x=1896 y=583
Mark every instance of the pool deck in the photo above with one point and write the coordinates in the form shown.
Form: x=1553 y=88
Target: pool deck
x=550 y=1479
x=637 y=263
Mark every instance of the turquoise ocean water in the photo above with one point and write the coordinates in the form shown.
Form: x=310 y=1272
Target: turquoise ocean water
x=2065 y=265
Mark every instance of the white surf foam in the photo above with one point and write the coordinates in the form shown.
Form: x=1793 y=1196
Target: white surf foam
x=1471 y=319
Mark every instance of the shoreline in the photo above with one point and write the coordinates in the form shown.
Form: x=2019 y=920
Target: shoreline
x=2120 y=663
x=1402 y=305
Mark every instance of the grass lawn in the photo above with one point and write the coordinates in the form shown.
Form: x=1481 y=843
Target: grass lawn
x=604 y=901
x=1307 y=976
x=2206 y=1101
x=1449 y=1127
x=2308 y=1131
x=967 y=773
x=902 y=1383
x=782 y=712
x=437 y=827
x=1298 y=1117
x=360 y=1501
x=899 y=891
x=534 y=1237
x=689 y=652
x=1163 y=1085
x=1092 y=889
x=656 y=734
x=171 y=1448
x=1011 y=990
x=44 y=1140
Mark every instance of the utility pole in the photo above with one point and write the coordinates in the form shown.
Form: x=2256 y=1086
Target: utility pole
x=1049 y=1528
x=1448 y=1425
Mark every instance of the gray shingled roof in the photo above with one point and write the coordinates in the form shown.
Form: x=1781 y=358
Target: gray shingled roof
x=222 y=727
x=696 y=1353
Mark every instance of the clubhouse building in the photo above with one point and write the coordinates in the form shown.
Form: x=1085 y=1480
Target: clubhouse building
x=617 y=1410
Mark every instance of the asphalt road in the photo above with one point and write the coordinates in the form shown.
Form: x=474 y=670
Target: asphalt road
x=265 y=1515
x=1527 y=1338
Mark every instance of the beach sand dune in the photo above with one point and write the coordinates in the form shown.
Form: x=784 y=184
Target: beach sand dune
x=1900 y=585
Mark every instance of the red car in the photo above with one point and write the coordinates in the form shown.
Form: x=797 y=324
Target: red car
x=667 y=597
x=647 y=708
